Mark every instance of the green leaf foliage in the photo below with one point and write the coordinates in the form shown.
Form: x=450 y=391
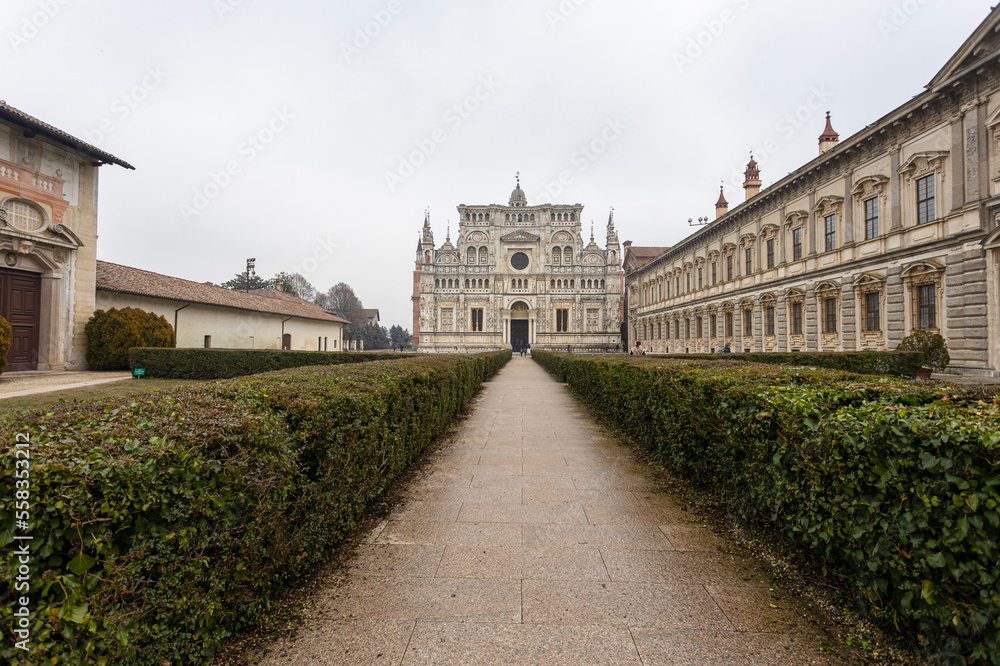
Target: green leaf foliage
x=899 y=363
x=891 y=483
x=111 y=333
x=164 y=522
x=228 y=363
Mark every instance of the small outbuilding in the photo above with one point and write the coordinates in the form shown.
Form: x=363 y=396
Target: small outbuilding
x=204 y=315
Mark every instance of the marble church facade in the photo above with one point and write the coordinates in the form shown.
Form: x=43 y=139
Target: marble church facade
x=894 y=229
x=517 y=275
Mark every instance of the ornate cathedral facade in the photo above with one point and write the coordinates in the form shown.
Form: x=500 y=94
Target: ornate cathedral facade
x=517 y=275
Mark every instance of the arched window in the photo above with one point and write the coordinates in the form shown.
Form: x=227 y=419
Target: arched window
x=466 y=283
x=604 y=284
x=553 y=285
x=487 y=217
x=568 y=255
x=559 y=283
x=553 y=215
x=486 y=284
x=427 y=257
x=484 y=256
x=572 y=284
x=532 y=217
x=572 y=217
x=557 y=255
x=559 y=217
x=508 y=217
x=471 y=258
x=437 y=284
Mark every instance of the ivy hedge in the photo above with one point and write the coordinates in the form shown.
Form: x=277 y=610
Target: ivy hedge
x=228 y=363
x=164 y=522
x=894 y=485
x=898 y=364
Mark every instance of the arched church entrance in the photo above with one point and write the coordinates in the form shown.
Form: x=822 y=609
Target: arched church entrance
x=519 y=326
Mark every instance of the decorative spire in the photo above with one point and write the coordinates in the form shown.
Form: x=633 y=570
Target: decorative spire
x=828 y=134
x=427 y=217
x=752 y=179
x=447 y=238
x=592 y=231
x=722 y=203
x=611 y=218
x=829 y=139
x=518 y=176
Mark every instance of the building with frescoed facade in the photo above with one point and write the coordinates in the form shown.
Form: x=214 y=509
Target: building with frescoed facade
x=517 y=275
x=892 y=230
x=48 y=240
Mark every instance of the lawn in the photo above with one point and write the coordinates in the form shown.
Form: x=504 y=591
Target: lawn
x=11 y=406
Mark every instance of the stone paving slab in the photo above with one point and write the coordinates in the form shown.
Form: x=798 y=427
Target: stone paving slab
x=533 y=537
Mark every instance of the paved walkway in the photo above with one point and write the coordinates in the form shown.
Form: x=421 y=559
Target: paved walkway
x=15 y=384
x=535 y=538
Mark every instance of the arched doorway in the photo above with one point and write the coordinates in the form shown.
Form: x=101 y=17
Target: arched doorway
x=519 y=326
x=286 y=342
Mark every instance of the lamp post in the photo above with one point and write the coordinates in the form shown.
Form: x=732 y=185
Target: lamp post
x=251 y=262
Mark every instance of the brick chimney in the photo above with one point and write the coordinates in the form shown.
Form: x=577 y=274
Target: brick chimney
x=279 y=285
x=829 y=139
x=721 y=206
x=751 y=181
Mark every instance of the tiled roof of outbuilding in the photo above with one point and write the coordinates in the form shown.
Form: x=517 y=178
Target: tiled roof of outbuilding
x=128 y=280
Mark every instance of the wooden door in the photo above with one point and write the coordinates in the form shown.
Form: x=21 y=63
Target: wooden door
x=20 y=305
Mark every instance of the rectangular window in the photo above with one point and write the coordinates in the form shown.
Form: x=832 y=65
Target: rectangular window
x=830 y=315
x=925 y=199
x=749 y=260
x=748 y=323
x=769 y=320
x=830 y=222
x=562 y=321
x=797 y=244
x=729 y=324
x=699 y=328
x=592 y=319
x=872 y=312
x=871 y=218
x=687 y=329
x=926 y=306
x=713 y=326
x=715 y=273
x=677 y=285
x=447 y=319
x=477 y=319
x=796 y=319
x=689 y=282
x=770 y=253
x=701 y=272
x=729 y=268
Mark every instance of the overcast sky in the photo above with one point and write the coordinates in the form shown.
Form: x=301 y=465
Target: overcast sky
x=313 y=135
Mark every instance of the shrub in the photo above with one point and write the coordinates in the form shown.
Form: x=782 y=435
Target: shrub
x=897 y=363
x=5 y=338
x=227 y=363
x=111 y=333
x=932 y=349
x=164 y=522
x=894 y=485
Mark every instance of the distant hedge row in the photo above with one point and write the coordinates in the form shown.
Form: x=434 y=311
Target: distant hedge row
x=899 y=364
x=896 y=485
x=164 y=522
x=228 y=363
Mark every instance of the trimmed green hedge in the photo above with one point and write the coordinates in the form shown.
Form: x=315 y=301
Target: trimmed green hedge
x=6 y=336
x=895 y=485
x=164 y=522
x=898 y=364
x=228 y=363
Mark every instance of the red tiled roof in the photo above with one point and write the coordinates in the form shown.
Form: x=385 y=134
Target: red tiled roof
x=21 y=118
x=127 y=280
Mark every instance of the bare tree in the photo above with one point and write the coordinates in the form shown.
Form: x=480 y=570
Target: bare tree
x=341 y=300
